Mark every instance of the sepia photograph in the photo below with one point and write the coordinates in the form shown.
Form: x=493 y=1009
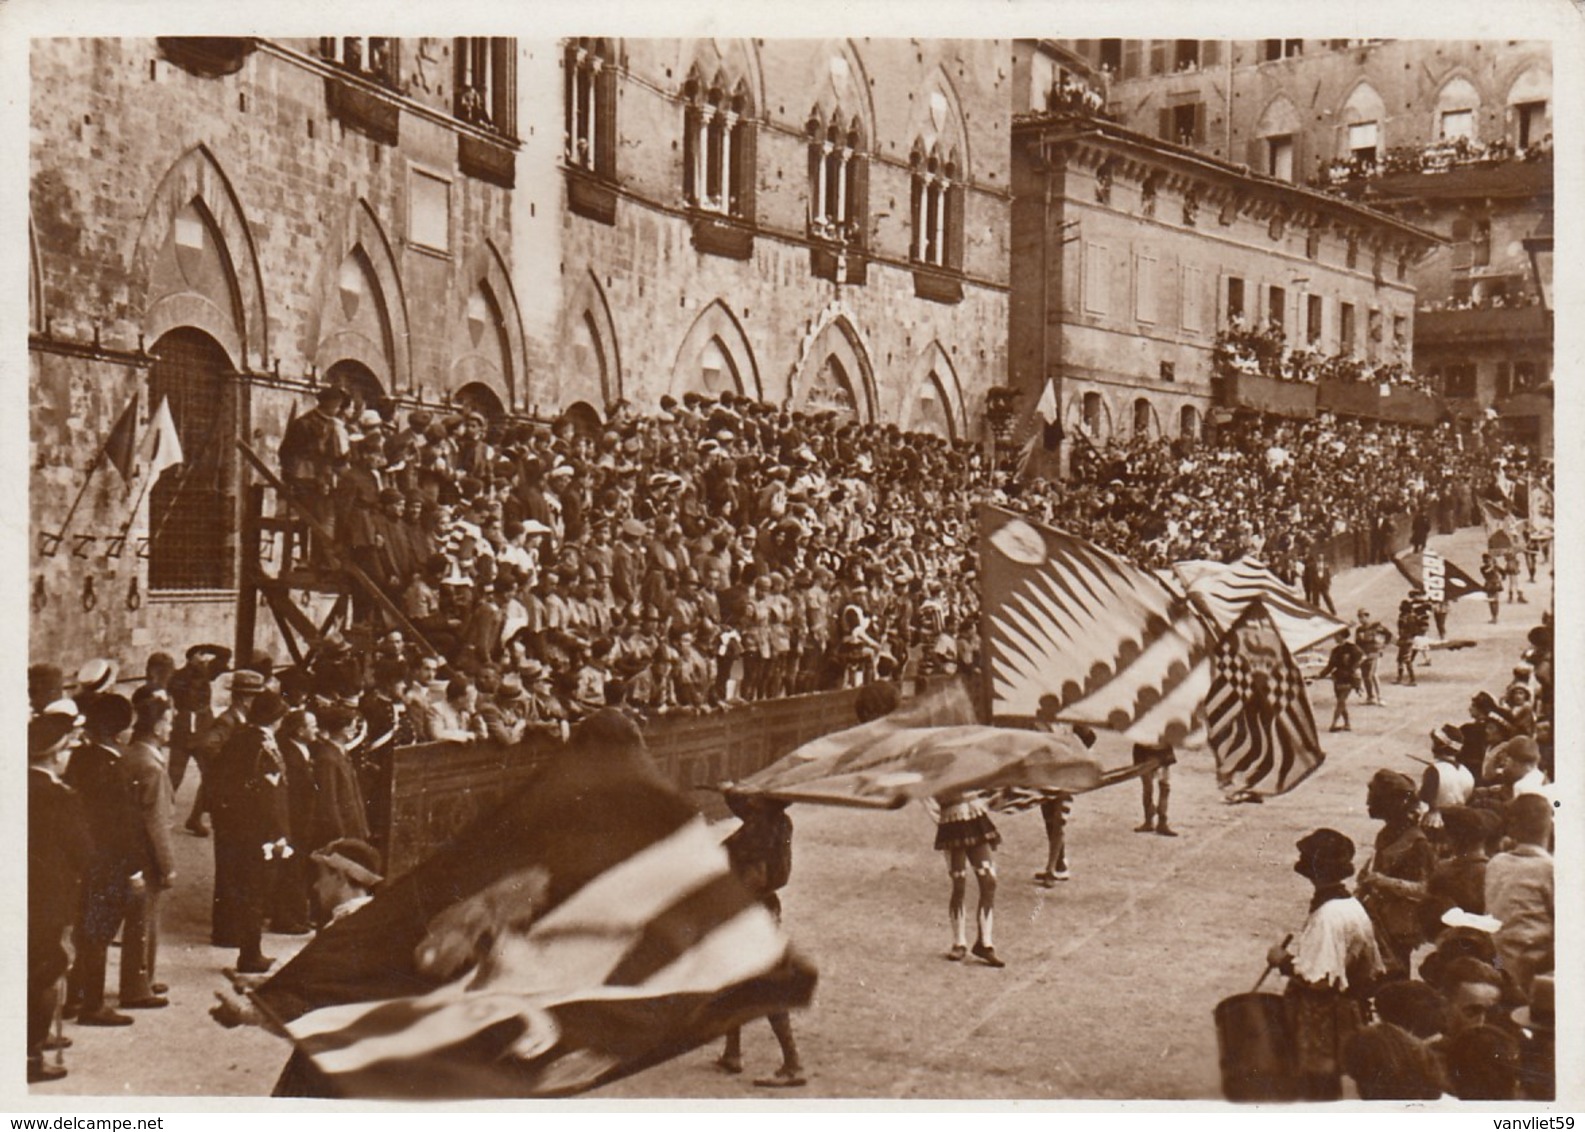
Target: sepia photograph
x=761 y=569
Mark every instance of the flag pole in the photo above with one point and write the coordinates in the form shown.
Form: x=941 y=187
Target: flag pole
x=49 y=542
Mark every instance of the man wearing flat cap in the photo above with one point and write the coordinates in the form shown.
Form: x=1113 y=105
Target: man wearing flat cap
x=59 y=848
x=1332 y=967
x=115 y=867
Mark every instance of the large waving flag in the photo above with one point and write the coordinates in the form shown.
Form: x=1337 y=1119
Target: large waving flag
x=1223 y=591
x=1439 y=578
x=1495 y=517
x=1074 y=633
x=1259 y=722
x=926 y=749
x=586 y=929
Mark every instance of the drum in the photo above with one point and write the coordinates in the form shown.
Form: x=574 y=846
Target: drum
x=1255 y=1048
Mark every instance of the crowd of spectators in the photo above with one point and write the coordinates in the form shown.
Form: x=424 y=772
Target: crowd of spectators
x=1448 y=987
x=1495 y=301
x=1434 y=157
x=724 y=550
x=1242 y=348
x=717 y=551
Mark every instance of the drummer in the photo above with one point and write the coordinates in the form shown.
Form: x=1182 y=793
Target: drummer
x=1332 y=968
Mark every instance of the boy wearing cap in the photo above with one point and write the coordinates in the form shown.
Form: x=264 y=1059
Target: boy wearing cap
x=59 y=849
x=1373 y=638
x=1332 y=968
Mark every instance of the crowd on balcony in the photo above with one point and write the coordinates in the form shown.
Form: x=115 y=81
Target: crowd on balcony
x=1494 y=301
x=1435 y=157
x=1075 y=97
x=1263 y=351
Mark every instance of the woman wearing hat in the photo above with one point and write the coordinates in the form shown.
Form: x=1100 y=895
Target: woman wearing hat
x=1393 y=885
x=1332 y=967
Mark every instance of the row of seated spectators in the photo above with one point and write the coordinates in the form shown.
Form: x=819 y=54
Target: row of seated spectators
x=726 y=550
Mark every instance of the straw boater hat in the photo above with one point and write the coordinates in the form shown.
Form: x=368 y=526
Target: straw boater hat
x=95 y=676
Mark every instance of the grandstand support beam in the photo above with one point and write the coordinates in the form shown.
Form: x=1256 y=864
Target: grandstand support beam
x=256 y=581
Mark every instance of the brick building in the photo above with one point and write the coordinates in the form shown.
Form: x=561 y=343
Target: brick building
x=1131 y=254
x=517 y=227
x=1452 y=136
x=224 y=225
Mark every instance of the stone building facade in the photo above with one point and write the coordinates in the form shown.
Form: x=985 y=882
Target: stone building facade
x=1452 y=136
x=223 y=226
x=814 y=223
x=518 y=227
x=1131 y=254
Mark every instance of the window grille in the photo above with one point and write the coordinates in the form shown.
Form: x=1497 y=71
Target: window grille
x=192 y=507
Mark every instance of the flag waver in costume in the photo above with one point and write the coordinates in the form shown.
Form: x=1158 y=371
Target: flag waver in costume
x=1258 y=721
x=1074 y=633
x=588 y=928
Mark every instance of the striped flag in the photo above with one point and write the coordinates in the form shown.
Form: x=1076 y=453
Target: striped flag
x=588 y=928
x=1259 y=722
x=1223 y=591
x=1439 y=578
x=1074 y=633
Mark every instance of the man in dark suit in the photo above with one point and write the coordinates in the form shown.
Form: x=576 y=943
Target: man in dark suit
x=224 y=773
x=114 y=876
x=58 y=851
x=261 y=821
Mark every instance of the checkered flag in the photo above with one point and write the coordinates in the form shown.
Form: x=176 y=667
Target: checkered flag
x=1258 y=718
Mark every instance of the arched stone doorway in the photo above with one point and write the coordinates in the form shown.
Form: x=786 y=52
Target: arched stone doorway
x=192 y=518
x=477 y=397
x=362 y=388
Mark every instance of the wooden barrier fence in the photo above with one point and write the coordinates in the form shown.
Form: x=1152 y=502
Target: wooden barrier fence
x=438 y=788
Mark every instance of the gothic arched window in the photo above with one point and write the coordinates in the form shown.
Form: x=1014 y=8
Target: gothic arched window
x=718 y=147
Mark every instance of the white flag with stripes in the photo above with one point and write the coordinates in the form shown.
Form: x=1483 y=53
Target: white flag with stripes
x=1223 y=591
x=1074 y=633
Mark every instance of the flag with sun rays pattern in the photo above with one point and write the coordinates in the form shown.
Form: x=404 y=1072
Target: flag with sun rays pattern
x=1072 y=632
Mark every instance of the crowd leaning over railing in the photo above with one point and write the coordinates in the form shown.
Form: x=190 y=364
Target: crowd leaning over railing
x=1242 y=348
